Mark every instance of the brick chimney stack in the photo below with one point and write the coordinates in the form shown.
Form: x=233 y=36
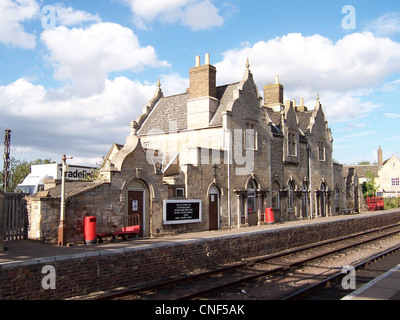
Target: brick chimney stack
x=273 y=94
x=203 y=79
x=203 y=102
x=380 y=157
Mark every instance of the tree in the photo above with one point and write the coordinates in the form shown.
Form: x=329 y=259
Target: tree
x=19 y=170
x=369 y=187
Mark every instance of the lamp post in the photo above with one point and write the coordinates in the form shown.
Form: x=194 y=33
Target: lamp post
x=62 y=228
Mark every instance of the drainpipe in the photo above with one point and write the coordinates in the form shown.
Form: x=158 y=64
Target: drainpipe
x=310 y=177
x=228 y=144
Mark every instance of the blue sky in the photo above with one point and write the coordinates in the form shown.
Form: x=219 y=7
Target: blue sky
x=73 y=74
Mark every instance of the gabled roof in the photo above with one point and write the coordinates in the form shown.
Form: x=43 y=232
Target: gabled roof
x=173 y=109
x=167 y=112
x=72 y=189
x=225 y=97
x=394 y=157
x=276 y=118
x=304 y=120
x=363 y=169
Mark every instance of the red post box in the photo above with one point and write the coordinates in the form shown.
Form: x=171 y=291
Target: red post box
x=269 y=216
x=90 y=229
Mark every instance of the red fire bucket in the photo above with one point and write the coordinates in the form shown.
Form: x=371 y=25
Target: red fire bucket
x=269 y=216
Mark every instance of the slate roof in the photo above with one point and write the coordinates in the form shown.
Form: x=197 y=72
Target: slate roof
x=363 y=169
x=174 y=108
x=304 y=120
x=168 y=109
x=225 y=97
x=72 y=189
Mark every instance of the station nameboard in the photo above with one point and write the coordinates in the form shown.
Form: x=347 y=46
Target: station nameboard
x=181 y=211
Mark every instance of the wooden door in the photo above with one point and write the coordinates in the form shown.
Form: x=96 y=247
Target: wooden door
x=213 y=211
x=136 y=207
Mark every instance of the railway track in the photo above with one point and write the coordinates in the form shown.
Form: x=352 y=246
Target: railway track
x=331 y=286
x=201 y=285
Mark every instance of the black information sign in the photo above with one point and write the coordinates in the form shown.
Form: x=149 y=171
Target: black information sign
x=182 y=211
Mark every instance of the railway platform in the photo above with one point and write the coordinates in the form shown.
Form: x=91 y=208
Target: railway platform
x=148 y=259
x=21 y=251
x=383 y=287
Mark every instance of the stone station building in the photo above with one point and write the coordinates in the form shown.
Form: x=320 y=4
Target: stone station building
x=211 y=158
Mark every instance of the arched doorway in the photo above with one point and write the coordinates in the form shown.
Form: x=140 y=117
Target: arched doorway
x=337 y=200
x=213 y=207
x=252 y=203
x=305 y=201
x=275 y=198
x=138 y=206
x=322 y=206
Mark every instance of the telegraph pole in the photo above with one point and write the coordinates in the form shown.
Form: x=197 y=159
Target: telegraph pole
x=6 y=156
x=62 y=226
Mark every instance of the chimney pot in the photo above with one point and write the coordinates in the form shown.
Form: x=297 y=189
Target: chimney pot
x=207 y=58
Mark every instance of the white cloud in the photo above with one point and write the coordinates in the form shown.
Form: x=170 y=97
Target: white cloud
x=392 y=115
x=202 y=15
x=84 y=127
x=71 y=17
x=173 y=83
x=197 y=14
x=391 y=86
x=86 y=56
x=12 y=14
x=359 y=134
x=386 y=25
x=342 y=72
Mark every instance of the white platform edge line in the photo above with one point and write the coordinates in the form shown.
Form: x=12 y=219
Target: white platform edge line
x=356 y=293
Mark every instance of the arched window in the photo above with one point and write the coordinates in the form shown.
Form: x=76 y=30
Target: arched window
x=305 y=202
x=337 y=199
x=323 y=199
x=251 y=197
x=291 y=195
x=275 y=188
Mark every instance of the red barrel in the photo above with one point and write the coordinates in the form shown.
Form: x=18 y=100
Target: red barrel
x=90 y=229
x=269 y=216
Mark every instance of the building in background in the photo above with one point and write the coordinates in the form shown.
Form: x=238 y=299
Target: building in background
x=210 y=158
x=386 y=174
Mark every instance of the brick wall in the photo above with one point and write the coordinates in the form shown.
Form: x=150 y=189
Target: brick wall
x=84 y=273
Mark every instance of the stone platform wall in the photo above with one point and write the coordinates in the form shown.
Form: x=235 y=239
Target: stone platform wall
x=83 y=273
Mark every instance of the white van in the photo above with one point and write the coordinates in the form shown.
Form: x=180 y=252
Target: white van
x=33 y=183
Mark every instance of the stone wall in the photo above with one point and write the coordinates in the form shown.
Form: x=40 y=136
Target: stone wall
x=84 y=273
x=2 y=213
x=44 y=214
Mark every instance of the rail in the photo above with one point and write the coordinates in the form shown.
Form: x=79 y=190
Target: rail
x=206 y=283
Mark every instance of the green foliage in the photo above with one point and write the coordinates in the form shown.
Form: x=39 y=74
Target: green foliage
x=369 y=187
x=19 y=169
x=392 y=203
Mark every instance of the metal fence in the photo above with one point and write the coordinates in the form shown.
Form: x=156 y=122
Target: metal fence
x=15 y=217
